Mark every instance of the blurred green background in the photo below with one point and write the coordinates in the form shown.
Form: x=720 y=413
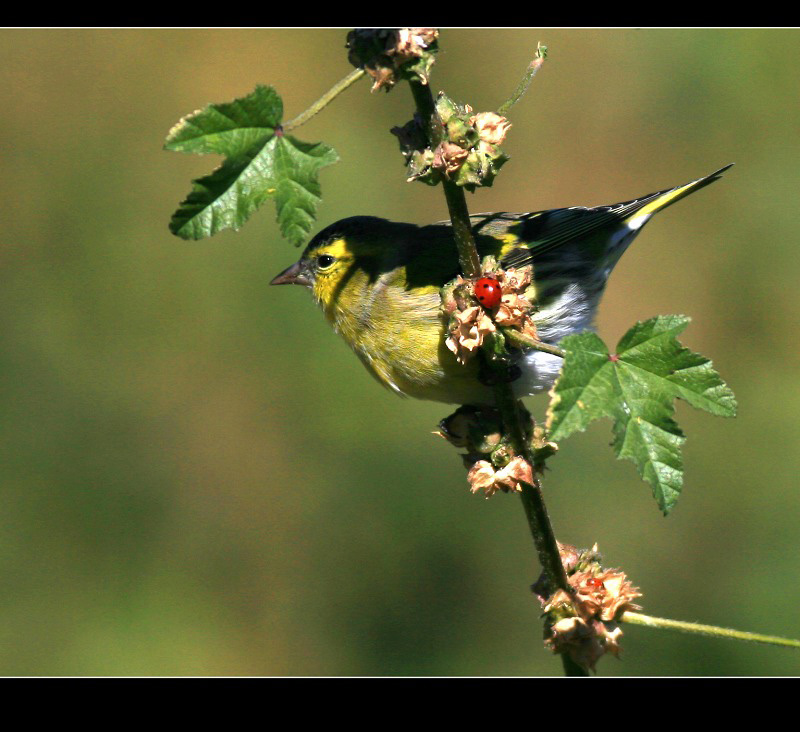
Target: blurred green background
x=198 y=477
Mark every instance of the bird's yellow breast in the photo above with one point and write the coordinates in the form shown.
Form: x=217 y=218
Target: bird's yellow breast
x=399 y=334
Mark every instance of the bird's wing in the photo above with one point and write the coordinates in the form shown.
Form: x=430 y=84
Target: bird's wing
x=542 y=231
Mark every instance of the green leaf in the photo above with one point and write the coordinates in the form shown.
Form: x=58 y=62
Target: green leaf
x=229 y=129
x=261 y=163
x=636 y=387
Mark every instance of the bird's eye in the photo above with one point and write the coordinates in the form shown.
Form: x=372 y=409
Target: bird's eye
x=324 y=261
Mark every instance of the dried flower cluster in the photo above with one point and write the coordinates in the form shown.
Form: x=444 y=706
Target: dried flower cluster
x=482 y=476
x=466 y=330
x=387 y=54
x=490 y=458
x=491 y=127
x=584 y=623
x=515 y=309
x=468 y=152
x=469 y=324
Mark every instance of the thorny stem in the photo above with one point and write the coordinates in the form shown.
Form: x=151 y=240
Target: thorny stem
x=713 y=630
x=324 y=100
x=532 y=500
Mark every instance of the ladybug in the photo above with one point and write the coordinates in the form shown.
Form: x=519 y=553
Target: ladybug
x=488 y=292
x=595 y=582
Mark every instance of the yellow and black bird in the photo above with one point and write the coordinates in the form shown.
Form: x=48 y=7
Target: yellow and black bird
x=378 y=283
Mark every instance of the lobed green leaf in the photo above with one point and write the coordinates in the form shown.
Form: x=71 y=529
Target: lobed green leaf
x=261 y=163
x=636 y=387
x=229 y=129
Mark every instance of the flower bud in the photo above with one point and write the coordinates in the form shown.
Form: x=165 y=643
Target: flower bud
x=461 y=133
x=445 y=108
x=448 y=158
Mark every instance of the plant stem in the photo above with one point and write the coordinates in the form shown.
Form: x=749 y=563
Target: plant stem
x=713 y=630
x=456 y=202
x=462 y=229
x=519 y=339
x=571 y=668
x=533 y=67
x=324 y=100
x=532 y=500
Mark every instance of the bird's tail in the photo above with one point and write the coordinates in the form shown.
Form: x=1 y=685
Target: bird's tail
x=658 y=201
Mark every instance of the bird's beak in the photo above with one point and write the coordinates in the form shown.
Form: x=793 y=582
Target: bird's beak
x=294 y=275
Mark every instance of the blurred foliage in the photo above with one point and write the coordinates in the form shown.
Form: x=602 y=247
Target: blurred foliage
x=200 y=478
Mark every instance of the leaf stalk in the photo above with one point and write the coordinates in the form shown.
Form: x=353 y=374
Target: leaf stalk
x=520 y=339
x=712 y=630
x=324 y=100
x=530 y=72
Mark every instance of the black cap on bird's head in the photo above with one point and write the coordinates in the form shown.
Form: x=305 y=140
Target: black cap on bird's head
x=360 y=234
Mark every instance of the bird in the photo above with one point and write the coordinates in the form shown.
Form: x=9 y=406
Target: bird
x=378 y=283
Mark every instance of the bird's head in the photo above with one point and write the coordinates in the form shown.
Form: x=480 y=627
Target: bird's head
x=345 y=256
